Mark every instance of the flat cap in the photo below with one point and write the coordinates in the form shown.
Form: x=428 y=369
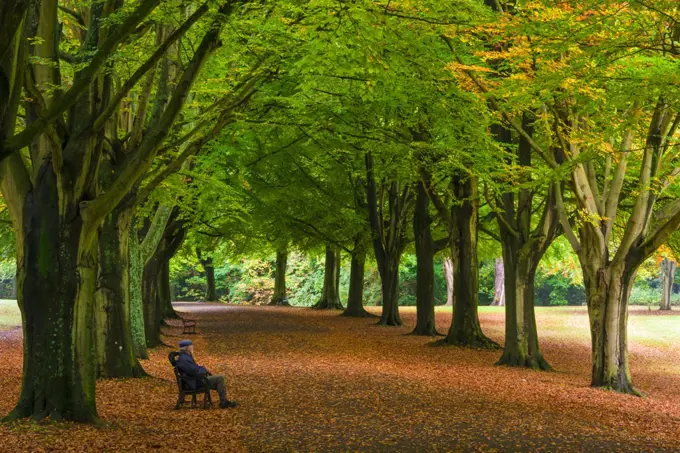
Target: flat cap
x=185 y=343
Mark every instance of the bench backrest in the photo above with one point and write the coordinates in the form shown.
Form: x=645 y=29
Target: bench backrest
x=182 y=380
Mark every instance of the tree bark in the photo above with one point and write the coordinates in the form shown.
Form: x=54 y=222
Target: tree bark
x=668 y=276
x=607 y=292
x=57 y=207
x=54 y=246
x=211 y=291
x=152 y=302
x=425 y=319
x=499 y=286
x=164 y=291
x=140 y=253
x=355 y=298
x=116 y=355
x=280 y=297
x=448 y=275
x=209 y=270
x=465 y=328
x=389 y=237
x=330 y=296
x=521 y=335
x=155 y=281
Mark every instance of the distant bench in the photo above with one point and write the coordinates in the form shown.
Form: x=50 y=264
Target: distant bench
x=189 y=326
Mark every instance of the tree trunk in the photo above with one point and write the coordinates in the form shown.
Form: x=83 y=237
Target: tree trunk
x=116 y=355
x=465 y=329
x=355 y=298
x=209 y=269
x=136 y=306
x=152 y=302
x=56 y=278
x=607 y=293
x=388 y=237
x=211 y=291
x=389 y=283
x=448 y=275
x=668 y=276
x=425 y=320
x=521 y=336
x=140 y=253
x=280 y=297
x=499 y=286
x=165 y=293
x=330 y=296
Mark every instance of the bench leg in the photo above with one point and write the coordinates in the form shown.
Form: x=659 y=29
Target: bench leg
x=180 y=401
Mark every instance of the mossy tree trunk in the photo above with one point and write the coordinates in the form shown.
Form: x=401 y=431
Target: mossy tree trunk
x=280 y=296
x=425 y=320
x=668 y=276
x=116 y=353
x=57 y=245
x=151 y=302
x=330 y=295
x=55 y=202
x=140 y=254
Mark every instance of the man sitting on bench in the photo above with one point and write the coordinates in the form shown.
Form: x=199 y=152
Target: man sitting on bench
x=187 y=366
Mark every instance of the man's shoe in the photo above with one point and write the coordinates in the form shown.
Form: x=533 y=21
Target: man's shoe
x=227 y=404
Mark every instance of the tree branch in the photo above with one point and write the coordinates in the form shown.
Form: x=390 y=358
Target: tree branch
x=148 y=64
x=86 y=76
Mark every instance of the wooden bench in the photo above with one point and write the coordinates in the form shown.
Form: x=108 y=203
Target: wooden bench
x=184 y=388
x=189 y=326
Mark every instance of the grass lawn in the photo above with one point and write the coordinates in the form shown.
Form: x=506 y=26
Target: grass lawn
x=312 y=381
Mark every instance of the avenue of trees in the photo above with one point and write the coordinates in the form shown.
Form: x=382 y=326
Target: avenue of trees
x=513 y=130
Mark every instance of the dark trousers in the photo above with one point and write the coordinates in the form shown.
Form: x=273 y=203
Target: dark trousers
x=217 y=383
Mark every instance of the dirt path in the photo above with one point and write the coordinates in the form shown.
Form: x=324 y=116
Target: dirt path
x=313 y=381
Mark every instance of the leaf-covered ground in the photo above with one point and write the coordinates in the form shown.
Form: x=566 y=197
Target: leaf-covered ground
x=313 y=381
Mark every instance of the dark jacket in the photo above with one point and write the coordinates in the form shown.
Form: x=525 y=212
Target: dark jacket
x=187 y=367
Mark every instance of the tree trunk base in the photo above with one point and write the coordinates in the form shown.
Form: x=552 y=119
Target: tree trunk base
x=171 y=315
x=617 y=384
x=665 y=308
x=426 y=332
x=390 y=321
x=21 y=413
x=516 y=360
x=325 y=304
x=477 y=341
x=358 y=313
x=133 y=373
x=280 y=302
